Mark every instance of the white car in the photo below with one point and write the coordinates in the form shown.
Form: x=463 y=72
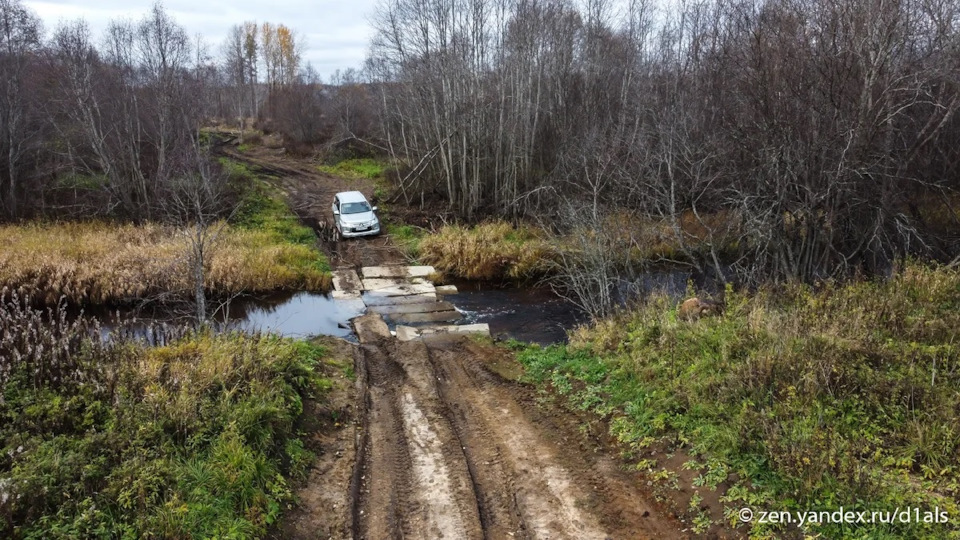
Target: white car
x=354 y=216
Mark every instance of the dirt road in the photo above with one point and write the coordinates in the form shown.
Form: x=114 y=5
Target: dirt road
x=451 y=449
x=445 y=446
x=435 y=438
x=310 y=193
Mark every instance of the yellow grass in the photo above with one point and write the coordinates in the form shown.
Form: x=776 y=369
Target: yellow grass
x=497 y=250
x=100 y=263
x=487 y=251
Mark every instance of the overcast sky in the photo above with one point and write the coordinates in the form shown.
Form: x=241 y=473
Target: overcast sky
x=336 y=33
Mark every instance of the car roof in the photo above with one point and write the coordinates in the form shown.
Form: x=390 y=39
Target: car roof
x=351 y=196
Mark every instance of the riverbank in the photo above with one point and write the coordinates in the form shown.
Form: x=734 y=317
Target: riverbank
x=262 y=248
x=795 y=399
x=192 y=436
x=498 y=250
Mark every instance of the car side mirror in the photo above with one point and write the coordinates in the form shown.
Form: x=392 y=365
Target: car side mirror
x=336 y=212
x=374 y=209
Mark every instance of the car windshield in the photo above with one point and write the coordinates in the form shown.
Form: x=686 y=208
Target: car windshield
x=354 y=207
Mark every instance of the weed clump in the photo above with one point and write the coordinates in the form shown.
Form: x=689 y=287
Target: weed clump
x=407 y=237
x=103 y=263
x=263 y=248
x=356 y=168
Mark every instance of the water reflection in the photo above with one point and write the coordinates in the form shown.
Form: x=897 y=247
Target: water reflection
x=299 y=314
x=531 y=314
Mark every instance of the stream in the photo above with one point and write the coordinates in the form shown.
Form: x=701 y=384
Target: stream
x=529 y=314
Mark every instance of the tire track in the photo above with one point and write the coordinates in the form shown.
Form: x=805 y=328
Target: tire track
x=415 y=482
x=529 y=480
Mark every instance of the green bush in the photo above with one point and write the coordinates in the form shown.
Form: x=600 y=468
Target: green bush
x=407 y=237
x=262 y=208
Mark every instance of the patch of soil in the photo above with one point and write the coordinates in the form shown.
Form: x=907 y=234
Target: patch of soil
x=672 y=494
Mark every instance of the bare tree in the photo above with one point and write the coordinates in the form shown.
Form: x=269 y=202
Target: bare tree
x=20 y=33
x=777 y=139
x=196 y=200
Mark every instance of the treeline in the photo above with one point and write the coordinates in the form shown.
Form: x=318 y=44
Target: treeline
x=769 y=139
x=111 y=125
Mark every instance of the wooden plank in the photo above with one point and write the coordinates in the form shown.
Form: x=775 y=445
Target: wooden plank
x=424 y=307
x=345 y=295
x=406 y=333
x=435 y=317
x=420 y=271
x=377 y=299
x=403 y=290
x=447 y=289
x=371 y=328
x=482 y=328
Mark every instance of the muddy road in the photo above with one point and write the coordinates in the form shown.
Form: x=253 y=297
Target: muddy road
x=444 y=443
x=435 y=438
x=449 y=448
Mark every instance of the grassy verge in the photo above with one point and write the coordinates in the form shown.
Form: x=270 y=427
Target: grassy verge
x=263 y=210
x=263 y=248
x=846 y=396
x=193 y=438
x=407 y=237
x=493 y=250
x=368 y=168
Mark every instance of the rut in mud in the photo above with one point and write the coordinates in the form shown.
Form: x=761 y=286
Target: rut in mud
x=452 y=450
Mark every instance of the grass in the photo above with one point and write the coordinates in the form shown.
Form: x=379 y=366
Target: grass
x=357 y=168
x=494 y=250
x=843 y=396
x=498 y=250
x=407 y=237
x=192 y=438
x=263 y=248
x=105 y=263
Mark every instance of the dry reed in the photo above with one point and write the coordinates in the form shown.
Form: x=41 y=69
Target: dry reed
x=100 y=263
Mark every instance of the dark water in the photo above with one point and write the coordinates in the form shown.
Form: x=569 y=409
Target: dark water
x=298 y=315
x=537 y=315
x=530 y=314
